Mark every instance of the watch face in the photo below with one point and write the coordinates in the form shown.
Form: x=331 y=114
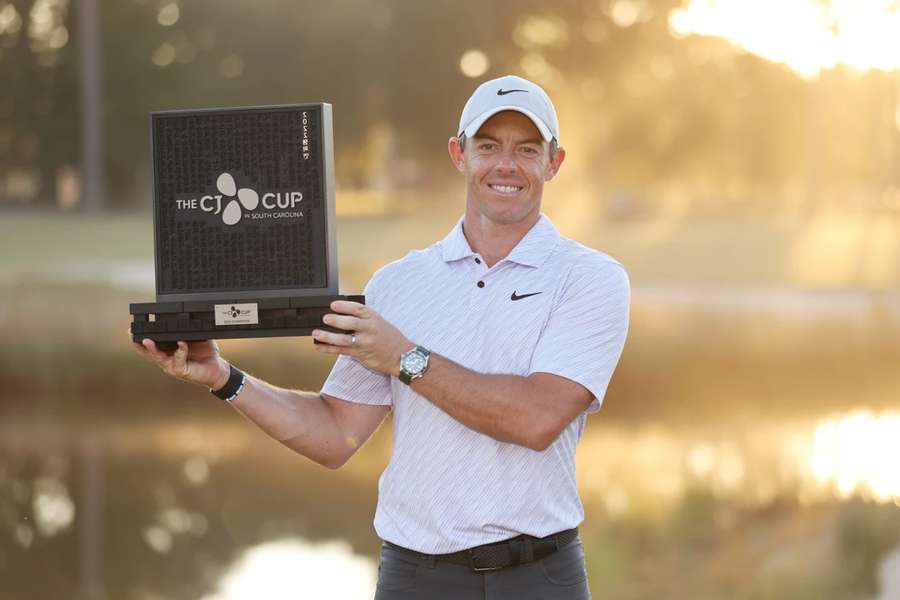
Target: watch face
x=413 y=362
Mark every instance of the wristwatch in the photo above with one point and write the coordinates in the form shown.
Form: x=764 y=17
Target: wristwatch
x=413 y=364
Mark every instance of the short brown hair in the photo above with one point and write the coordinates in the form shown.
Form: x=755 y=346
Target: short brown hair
x=554 y=145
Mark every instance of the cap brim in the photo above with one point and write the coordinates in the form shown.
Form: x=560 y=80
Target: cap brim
x=473 y=127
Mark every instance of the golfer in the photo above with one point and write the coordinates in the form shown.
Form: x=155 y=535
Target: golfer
x=490 y=347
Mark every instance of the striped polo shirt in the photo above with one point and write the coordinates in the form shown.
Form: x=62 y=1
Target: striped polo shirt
x=448 y=487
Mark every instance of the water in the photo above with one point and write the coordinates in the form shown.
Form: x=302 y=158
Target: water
x=214 y=510
x=293 y=568
x=177 y=512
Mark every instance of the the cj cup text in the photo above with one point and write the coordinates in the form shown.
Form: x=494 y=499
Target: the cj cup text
x=269 y=201
x=239 y=200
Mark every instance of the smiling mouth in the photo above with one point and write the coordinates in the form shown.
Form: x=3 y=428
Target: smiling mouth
x=505 y=189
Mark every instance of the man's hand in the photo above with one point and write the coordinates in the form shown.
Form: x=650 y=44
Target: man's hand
x=195 y=362
x=378 y=344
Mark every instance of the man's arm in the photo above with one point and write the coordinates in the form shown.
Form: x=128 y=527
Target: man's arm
x=322 y=428
x=529 y=411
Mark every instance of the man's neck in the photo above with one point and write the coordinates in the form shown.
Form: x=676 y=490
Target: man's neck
x=495 y=241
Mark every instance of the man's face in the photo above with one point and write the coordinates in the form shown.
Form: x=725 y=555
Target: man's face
x=506 y=164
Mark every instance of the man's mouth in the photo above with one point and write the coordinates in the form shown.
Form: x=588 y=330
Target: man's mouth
x=505 y=189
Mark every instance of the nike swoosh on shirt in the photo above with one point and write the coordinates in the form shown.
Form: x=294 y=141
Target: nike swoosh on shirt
x=502 y=92
x=514 y=297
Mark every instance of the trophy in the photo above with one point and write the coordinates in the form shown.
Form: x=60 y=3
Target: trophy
x=244 y=224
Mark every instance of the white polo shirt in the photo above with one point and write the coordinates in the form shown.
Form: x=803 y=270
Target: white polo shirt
x=553 y=306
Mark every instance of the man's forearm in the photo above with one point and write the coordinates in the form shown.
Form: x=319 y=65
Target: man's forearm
x=530 y=411
x=302 y=421
x=505 y=407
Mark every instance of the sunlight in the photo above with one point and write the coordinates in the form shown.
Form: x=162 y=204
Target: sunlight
x=295 y=569
x=850 y=455
x=806 y=35
x=856 y=453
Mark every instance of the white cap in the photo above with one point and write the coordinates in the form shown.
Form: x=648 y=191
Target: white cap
x=509 y=93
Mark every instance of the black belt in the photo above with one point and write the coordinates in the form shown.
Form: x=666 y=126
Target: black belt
x=499 y=555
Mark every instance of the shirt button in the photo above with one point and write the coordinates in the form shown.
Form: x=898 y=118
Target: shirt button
x=480 y=284
x=478 y=260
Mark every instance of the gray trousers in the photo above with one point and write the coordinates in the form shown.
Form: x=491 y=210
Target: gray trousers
x=560 y=576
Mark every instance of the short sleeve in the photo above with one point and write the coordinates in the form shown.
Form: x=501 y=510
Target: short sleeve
x=586 y=331
x=349 y=380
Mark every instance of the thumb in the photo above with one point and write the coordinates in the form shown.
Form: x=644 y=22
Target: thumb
x=180 y=358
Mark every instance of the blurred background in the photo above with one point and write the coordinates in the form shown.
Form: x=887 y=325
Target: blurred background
x=741 y=158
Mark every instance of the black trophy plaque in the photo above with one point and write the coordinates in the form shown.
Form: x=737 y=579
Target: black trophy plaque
x=244 y=224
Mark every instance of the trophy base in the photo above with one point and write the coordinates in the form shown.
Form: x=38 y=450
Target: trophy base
x=169 y=322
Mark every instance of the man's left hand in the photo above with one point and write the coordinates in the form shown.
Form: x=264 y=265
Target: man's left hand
x=370 y=339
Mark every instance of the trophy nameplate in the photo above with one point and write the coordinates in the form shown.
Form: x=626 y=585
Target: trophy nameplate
x=244 y=224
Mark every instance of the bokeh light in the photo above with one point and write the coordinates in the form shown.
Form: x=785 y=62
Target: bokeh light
x=474 y=63
x=168 y=14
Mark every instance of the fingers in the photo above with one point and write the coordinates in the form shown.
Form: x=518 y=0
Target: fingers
x=329 y=349
x=148 y=350
x=177 y=364
x=172 y=364
x=153 y=351
x=352 y=308
x=334 y=339
x=343 y=322
x=138 y=347
x=141 y=350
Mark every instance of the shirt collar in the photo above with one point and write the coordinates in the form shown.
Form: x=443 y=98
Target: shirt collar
x=455 y=246
x=532 y=250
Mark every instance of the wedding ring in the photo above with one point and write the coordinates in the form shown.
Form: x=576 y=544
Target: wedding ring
x=352 y=340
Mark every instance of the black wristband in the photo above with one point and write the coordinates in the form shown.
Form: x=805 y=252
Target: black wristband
x=232 y=387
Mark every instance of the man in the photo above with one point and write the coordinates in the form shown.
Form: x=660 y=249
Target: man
x=491 y=347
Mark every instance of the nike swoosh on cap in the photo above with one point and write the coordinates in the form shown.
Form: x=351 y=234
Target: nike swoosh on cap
x=502 y=92
x=514 y=297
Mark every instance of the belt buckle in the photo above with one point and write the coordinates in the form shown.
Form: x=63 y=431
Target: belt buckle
x=478 y=569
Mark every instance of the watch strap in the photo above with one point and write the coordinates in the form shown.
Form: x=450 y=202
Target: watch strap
x=232 y=387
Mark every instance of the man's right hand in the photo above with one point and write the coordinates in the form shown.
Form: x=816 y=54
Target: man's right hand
x=195 y=362
x=325 y=429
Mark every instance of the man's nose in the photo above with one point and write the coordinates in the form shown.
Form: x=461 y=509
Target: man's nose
x=506 y=161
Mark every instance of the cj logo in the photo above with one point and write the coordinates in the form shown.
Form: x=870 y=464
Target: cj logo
x=236 y=201
x=235 y=312
x=246 y=197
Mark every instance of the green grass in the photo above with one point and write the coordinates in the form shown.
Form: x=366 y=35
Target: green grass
x=829 y=251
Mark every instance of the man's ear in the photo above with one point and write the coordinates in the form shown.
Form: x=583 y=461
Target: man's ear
x=456 y=154
x=555 y=163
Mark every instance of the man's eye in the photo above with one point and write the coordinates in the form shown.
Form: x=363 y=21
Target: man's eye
x=529 y=150
x=486 y=146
